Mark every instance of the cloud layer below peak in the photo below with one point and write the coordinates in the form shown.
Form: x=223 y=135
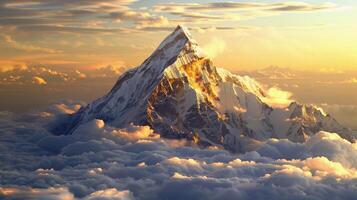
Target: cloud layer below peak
x=102 y=162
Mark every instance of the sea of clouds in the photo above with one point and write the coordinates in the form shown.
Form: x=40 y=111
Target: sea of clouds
x=102 y=162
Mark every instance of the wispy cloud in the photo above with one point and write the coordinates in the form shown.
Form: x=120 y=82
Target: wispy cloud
x=119 y=15
x=214 y=47
x=227 y=6
x=26 y=47
x=141 y=18
x=333 y=82
x=301 y=6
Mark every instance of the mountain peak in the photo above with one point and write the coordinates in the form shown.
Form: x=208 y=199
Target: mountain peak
x=184 y=30
x=180 y=36
x=179 y=93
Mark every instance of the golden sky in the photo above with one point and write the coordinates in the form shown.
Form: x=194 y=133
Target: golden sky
x=239 y=35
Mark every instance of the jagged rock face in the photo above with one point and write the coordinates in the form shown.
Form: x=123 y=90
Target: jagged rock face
x=183 y=103
x=181 y=94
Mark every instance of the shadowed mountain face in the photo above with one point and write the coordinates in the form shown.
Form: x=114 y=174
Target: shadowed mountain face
x=179 y=93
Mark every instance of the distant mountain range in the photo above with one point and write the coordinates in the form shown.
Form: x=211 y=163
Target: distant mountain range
x=179 y=93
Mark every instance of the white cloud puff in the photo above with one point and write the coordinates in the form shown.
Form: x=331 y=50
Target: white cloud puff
x=102 y=162
x=39 y=75
x=38 y=80
x=215 y=47
x=277 y=97
x=112 y=194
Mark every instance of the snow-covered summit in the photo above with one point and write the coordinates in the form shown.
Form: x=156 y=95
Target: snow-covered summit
x=179 y=93
x=180 y=33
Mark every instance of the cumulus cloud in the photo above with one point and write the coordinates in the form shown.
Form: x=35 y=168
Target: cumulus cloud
x=42 y=75
x=101 y=162
x=271 y=95
x=112 y=194
x=32 y=194
x=39 y=75
x=277 y=97
x=80 y=74
x=67 y=107
x=11 y=66
x=135 y=133
x=38 y=80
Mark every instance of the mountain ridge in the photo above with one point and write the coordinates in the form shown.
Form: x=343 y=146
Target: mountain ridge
x=179 y=93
